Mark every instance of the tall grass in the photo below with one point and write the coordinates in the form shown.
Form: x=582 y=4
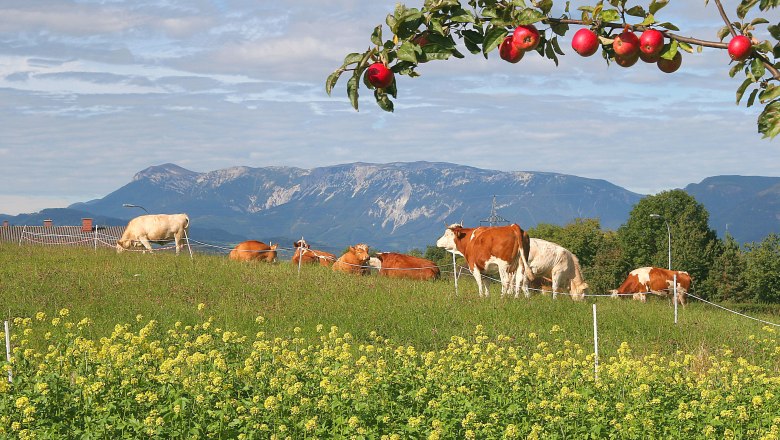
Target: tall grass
x=115 y=288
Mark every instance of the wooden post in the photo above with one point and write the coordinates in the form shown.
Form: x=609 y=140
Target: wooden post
x=595 y=344
x=675 y=297
x=455 y=273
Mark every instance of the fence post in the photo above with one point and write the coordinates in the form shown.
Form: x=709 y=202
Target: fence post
x=675 y=297
x=186 y=237
x=595 y=344
x=21 y=236
x=455 y=273
x=300 y=254
x=95 y=237
x=8 y=350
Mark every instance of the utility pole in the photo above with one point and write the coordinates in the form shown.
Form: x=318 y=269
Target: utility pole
x=494 y=218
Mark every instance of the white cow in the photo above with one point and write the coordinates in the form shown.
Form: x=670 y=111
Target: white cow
x=159 y=228
x=550 y=260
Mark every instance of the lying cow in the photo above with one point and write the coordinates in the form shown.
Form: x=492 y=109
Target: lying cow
x=654 y=280
x=547 y=259
x=306 y=255
x=157 y=228
x=395 y=265
x=502 y=248
x=253 y=250
x=354 y=260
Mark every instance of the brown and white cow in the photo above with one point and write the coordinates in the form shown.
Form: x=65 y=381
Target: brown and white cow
x=306 y=255
x=395 y=265
x=654 y=280
x=486 y=248
x=157 y=228
x=253 y=250
x=354 y=260
x=550 y=260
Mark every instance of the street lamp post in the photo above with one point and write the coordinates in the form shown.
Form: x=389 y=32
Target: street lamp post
x=130 y=205
x=669 y=234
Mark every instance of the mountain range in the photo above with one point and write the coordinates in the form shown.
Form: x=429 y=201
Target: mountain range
x=397 y=206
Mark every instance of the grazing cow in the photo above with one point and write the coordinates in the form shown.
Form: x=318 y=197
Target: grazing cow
x=158 y=228
x=654 y=280
x=395 y=265
x=486 y=248
x=253 y=250
x=354 y=260
x=547 y=259
x=311 y=256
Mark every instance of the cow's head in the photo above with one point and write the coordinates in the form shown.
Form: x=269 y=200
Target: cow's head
x=375 y=262
x=301 y=244
x=361 y=252
x=451 y=234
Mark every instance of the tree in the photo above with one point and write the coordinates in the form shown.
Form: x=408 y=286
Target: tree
x=644 y=239
x=763 y=269
x=430 y=33
x=726 y=279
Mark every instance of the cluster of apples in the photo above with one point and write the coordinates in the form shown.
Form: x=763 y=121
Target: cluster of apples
x=629 y=48
x=516 y=44
x=648 y=47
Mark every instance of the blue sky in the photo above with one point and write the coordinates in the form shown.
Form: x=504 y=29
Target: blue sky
x=93 y=91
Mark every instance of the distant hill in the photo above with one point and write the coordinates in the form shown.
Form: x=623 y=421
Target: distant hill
x=397 y=206
x=748 y=207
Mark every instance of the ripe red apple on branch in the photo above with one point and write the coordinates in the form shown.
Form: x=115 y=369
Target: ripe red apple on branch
x=482 y=27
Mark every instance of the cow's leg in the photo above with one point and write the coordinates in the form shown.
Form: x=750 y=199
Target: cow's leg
x=504 y=274
x=478 y=279
x=145 y=241
x=177 y=241
x=556 y=284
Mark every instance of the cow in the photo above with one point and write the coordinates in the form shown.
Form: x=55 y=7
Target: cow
x=654 y=280
x=306 y=255
x=158 y=228
x=550 y=260
x=253 y=250
x=502 y=248
x=395 y=265
x=354 y=260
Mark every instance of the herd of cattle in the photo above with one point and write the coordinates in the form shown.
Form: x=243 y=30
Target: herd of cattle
x=522 y=262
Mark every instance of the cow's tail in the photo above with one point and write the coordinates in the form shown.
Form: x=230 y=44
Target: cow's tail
x=525 y=247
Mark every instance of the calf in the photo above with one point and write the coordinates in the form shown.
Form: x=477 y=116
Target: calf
x=253 y=250
x=354 y=260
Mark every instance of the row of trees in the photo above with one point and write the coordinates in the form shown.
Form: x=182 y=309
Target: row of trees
x=722 y=270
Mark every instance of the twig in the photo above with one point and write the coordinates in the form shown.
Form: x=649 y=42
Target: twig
x=725 y=18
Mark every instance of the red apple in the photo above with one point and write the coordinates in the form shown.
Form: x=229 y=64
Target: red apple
x=628 y=60
x=672 y=65
x=379 y=75
x=421 y=39
x=651 y=42
x=650 y=58
x=509 y=51
x=526 y=37
x=740 y=48
x=626 y=44
x=585 y=42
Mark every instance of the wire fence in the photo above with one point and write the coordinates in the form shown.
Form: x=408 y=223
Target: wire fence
x=107 y=238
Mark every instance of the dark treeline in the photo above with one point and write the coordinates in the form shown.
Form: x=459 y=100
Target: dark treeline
x=722 y=269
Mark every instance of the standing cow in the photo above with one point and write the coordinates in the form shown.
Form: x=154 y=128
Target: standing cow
x=354 y=260
x=158 y=228
x=502 y=248
x=306 y=255
x=654 y=280
x=395 y=265
x=549 y=260
x=253 y=250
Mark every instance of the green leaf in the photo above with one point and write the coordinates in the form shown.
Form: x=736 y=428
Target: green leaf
x=560 y=28
x=609 y=15
x=636 y=11
x=556 y=47
x=670 y=50
x=353 y=58
x=723 y=32
x=752 y=97
x=742 y=88
x=462 y=16
x=650 y=19
x=383 y=100
x=774 y=30
x=407 y=52
x=376 y=36
x=352 y=91
x=759 y=20
x=772 y=92
x=667 y=25
x=757 y=68
x=656 y=5
x=545 y=6
x=332 y=79
x=493 y=38
x=473 y=40
x=549 y=52
x=744 y=7
x=735 y=68
x=530 y=16
x=769 y=120
x=686 y=47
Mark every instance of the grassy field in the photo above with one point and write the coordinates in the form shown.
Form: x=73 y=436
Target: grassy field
x=111 y=289
x=157 y=346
